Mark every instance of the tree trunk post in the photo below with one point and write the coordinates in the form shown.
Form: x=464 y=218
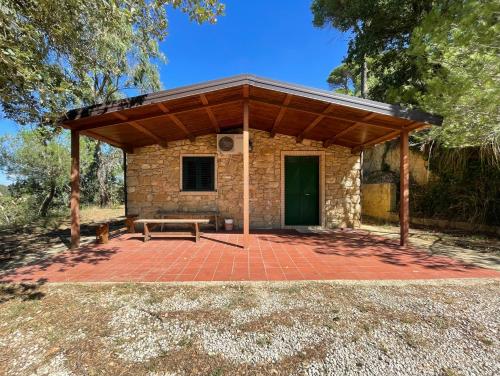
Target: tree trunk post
x=404 y=187
x=246 y=183
x=75 y=189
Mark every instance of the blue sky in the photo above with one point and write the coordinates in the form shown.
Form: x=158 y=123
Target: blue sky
x=273 y=39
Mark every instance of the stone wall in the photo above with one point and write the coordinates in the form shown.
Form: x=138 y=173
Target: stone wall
x=388 y=153
x=378 y=200
x=153 y=181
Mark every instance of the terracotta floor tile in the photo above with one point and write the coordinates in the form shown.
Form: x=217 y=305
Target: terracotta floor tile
x=272 y=256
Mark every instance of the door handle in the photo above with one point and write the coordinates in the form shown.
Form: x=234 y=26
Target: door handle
x=307 y=194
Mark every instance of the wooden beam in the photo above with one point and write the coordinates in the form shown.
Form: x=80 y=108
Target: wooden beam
x=332 y=140
x=107 y=140
x=165 y=113
x=330 y=116
x=404 y=188
x=75 y=189
x=210 y=113
x=142 y=129
x=162 y=107
x=246 y=177
x=384 y=138
x=376 y=141
x=246 y=91
x=182 y=127
x=176 y=121
x=278 y=119
x=313 y=125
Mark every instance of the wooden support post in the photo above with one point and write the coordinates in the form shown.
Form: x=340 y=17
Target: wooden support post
x=75 y=189
x=246 y=183
x=404 y=187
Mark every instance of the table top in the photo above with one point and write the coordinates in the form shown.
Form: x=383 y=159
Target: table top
x=171 y=220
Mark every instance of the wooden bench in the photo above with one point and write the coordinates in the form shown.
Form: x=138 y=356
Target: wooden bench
x=212 y=215
x=147 y=234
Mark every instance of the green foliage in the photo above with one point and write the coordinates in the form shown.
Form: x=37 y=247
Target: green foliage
x=40 y=165
x=381 y=31
x=342 y=80
x=439 y=55
x=56 y=54
x=457 y=50
x=102 y=179
x=467 y=188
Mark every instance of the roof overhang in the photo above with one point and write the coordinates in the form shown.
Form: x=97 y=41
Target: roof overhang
x=276 y=107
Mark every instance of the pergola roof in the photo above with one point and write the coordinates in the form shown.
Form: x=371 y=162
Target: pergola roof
x=276 y=107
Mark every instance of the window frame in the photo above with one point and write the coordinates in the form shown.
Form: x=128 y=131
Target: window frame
x=181 y=170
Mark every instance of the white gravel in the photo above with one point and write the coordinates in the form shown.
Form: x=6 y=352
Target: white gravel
x=289 y=329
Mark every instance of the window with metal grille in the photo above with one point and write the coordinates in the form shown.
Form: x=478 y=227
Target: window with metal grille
x=198 y=174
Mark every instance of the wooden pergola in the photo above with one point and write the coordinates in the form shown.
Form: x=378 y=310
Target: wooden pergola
x=251 y=102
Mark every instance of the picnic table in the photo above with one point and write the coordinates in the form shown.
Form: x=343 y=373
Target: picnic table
x=147 y=234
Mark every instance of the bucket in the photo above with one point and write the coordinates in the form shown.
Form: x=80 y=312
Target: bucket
x=228 y=224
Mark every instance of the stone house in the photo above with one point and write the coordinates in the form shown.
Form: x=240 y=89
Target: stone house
x=264 y=153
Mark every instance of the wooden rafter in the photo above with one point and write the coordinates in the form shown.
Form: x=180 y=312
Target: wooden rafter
x=141 y=128
x=181 y=126
x=210 y=113
x=165 y=113
x=385 y=138
x=313 y=125
x=375 y=141
x=107 y=140
x=332 y=140
x=283 y=109
x=176 y=121
x=330 y=116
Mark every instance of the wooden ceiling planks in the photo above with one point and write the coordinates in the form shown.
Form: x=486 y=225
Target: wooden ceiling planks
x=271 y=110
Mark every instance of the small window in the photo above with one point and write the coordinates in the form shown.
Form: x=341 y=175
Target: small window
x=198 y=174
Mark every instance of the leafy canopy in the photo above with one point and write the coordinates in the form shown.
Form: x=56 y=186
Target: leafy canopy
x=442 y=56
x=457 y=49
x=380 y=32
x=56 y=54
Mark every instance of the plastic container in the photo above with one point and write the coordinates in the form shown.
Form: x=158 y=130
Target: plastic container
x=228 y=224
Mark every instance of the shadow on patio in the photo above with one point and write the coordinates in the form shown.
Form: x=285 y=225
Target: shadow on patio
x=273 y=255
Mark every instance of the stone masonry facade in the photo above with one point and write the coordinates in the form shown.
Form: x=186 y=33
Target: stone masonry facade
x=153 y=181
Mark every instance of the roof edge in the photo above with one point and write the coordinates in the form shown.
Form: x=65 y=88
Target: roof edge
x=265 y=83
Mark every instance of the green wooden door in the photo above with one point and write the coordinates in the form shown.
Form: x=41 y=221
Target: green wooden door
x=301 y=190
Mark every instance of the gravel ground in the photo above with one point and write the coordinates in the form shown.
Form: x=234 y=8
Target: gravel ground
x=302 y=328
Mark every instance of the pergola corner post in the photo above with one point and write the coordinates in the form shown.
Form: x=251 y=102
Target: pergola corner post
x=246 y=182
x=75 y=189
x=404 y=188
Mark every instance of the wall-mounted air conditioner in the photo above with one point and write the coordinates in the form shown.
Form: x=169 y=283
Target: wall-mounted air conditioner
x=230 y=143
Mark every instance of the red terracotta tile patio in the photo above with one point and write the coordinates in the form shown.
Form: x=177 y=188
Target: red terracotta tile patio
x=271 y=256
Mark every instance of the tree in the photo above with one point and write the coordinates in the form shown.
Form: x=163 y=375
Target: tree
x=342 y=80
x=381 y=31
x=456 y=48
x=56 y=54
x=37 y=165
x=441 y=56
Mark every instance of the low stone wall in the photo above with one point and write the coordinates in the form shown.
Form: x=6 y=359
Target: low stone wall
x=153 y=181
x=378 y=200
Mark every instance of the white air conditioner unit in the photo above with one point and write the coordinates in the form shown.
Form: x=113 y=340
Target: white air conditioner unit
x=230 y=143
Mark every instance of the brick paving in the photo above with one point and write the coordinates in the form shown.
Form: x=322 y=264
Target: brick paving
x=274 y=256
